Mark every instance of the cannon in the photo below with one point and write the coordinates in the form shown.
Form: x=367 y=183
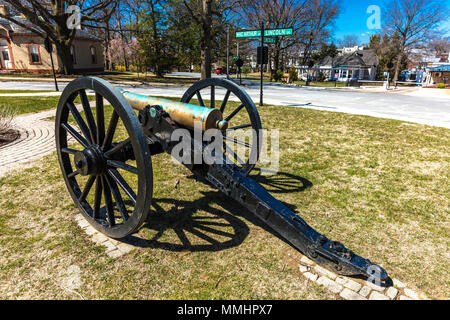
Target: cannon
x=108 y=171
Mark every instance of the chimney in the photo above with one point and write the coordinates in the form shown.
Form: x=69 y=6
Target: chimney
x=4 y=10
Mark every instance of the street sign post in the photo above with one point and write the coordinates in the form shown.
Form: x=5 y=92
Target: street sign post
x=267 y=36
x=261 y=34
x=49 y=48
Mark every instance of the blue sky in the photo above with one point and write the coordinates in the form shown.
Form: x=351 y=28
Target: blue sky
x=353 y=19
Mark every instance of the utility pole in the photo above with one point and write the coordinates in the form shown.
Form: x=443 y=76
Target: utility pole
x=228 y=52
x=261 y=103
x=237 y=54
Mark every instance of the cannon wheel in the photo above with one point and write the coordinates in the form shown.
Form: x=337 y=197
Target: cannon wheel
x=93 y=161
x=253 y=121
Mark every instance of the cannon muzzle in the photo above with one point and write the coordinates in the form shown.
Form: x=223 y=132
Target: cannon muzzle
x=184 y=114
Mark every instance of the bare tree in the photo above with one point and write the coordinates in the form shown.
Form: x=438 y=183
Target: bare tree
x=416 y=22
x=321 y=15
x=49 y=19
x=349 y=41
x=202 y=14
x=440 y=45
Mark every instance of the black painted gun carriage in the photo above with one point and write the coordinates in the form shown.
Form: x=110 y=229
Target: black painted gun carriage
x=105 y=160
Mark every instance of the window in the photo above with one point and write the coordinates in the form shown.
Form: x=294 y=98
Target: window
x=34 y=54
x=72 y=54
x=93 y=55
x=5 y=55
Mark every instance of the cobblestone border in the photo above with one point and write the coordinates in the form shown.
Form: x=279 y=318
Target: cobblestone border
x=354 y=289
x=114 y=248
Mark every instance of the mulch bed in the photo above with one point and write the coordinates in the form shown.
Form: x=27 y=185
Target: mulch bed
x=8 y=137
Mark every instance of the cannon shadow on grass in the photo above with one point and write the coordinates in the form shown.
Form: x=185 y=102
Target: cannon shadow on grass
x=213 y=221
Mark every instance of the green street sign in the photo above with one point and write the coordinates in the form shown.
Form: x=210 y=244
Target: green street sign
x=267 y=33
x=236 y=58
x=248 y=34
x=270 y=40
x=278 y=32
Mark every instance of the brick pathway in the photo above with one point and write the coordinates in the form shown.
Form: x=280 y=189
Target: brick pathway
x=37 y=139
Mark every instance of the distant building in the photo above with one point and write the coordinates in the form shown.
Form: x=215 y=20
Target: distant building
x=439 y=74
x=426 y=58
x=23 y=51
x=348 y=50
x=359 y=65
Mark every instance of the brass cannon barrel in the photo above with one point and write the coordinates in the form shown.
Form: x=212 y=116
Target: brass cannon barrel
x=184 y=114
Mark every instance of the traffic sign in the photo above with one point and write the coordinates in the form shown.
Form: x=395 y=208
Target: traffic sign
x=267 y=33
x=270 y=40
x=48 y=45
x=262 y=55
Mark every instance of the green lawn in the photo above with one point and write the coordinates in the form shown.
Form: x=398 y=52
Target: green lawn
x=110 y=76
x=23 y=91
x=22 y=105
x=379 y=186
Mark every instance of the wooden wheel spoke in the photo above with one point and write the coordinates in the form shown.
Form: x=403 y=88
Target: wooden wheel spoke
x=225 y=101
x=100 y=113
x=73 y=174
x=118 y=197
x=87 y=188
x=244 y=126
x=69 y=151
x=75 y=134
x=235 y=112
x=97 y=197
x=111 y=129
x=122 y=165
x=213 y=96
x=123 y=184
x=89 y=116
x=109 y=202
x=242 y=143
x=80 y=121
x=118 y=147
x=200 y=99
x=235 y=156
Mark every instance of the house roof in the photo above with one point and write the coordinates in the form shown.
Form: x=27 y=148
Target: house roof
x=15 y=29
x=358 y=58
x=441 y=68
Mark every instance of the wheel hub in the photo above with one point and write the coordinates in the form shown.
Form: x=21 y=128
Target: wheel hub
x=90 y=161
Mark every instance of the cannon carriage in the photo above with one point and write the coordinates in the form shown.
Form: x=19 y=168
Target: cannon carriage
x=105 y=151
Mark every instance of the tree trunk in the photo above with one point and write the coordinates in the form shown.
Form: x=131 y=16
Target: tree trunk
x=276 y=58
x=206 y=40
x=399 y=61
x=63 y=52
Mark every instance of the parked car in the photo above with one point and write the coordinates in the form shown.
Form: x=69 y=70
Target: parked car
x=221 y=71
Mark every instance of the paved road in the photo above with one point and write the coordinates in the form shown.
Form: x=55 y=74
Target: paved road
x=431 y=110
